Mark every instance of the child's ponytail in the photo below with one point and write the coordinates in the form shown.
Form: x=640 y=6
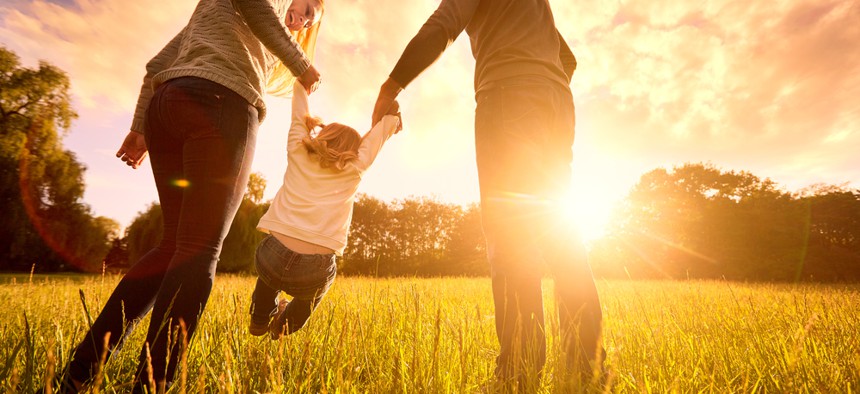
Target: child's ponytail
x=335 y=144
x=313 y=122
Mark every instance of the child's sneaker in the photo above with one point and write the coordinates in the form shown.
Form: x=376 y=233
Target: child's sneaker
x=278 y=325
x=258 y=328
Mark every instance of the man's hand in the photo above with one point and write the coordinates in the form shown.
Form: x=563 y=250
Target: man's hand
x=387 y=96
x=133 y=149
x=310 y=79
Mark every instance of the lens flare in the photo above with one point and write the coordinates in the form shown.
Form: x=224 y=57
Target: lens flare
x=183 y=183
x=33 y=207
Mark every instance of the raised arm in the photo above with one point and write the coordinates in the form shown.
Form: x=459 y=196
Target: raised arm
x=301 y=109
x=440 y=30
x=263 y=22
x=372 y=142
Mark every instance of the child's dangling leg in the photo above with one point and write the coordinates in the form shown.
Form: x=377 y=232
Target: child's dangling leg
x=264 y=303
x=292 y=316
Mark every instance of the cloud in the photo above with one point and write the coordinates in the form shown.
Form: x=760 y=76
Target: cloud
x=102 y=44
x=769 y=85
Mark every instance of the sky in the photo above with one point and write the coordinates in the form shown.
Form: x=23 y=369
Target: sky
x=772 y=88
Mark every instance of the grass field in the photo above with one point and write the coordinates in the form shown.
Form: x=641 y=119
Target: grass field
x=436 y=336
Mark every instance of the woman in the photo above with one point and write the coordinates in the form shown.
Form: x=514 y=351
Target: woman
x=197 y=115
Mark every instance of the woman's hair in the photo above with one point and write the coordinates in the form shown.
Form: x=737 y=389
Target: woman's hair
x=335 y=144
x=280 y=82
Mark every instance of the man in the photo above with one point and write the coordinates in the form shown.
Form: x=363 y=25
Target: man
x=524 y=127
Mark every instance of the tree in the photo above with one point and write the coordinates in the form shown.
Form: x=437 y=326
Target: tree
x=117 y=256
x=422 y=230
x=45 y=223
x=144 y=232
x=368 y=240
x=466 y=253
x=256 y=188
x=832 y=214
x=240 y=245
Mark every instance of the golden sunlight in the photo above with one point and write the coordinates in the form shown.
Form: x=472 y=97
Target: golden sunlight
x=589 y=212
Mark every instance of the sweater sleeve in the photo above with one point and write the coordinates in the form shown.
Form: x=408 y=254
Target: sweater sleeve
x=568 y=60
x=372 y=142
x=263 y=22
x=157 y=64
x=440 y=30
x=298 y=126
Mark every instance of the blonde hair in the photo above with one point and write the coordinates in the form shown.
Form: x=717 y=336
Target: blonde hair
x=281 y=80
x=335 y=144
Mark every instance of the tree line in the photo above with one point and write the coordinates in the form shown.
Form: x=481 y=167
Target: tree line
x=693 y=221
x=409 y=237
x=690 y=221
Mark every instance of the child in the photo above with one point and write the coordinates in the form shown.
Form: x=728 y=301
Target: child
x=310 y=216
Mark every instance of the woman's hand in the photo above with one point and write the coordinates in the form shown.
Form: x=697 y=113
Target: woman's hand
x=310 y=79
x=133 y=149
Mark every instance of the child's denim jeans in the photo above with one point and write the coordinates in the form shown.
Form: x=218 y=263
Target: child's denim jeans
x=306 y=277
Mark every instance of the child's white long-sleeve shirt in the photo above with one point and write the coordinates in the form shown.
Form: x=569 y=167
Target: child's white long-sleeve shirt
x=314 y=204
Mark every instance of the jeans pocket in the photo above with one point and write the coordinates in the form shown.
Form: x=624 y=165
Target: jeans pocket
x=269 y=263
x=308 y=278
x=195 y=111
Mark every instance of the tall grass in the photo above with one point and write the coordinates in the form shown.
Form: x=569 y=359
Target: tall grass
x=437 y=336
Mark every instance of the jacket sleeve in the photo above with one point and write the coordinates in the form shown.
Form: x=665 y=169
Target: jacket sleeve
x=440 y=30
x=568 y=60
x=263 y=22
x=157 y=64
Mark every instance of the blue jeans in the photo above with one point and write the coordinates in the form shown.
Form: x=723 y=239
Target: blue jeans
x=305 y=277
x=523 y=138
x=200 y=137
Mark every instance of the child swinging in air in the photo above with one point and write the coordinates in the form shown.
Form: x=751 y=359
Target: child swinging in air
x=309 y=218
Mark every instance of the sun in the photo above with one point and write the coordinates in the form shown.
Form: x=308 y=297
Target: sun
x=589 y=213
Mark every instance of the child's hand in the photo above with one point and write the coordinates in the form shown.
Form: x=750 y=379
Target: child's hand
x=394 y=110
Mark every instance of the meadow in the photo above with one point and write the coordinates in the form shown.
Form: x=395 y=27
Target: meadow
x=436 y=336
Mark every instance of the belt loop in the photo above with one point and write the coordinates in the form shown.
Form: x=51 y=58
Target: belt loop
x=295 y=257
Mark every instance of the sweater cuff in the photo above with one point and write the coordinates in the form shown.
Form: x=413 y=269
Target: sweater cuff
x=137 y=125
x=299 y=66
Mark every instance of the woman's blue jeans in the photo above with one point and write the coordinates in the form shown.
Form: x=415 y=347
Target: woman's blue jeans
x=524 y=133
x=200 y=137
